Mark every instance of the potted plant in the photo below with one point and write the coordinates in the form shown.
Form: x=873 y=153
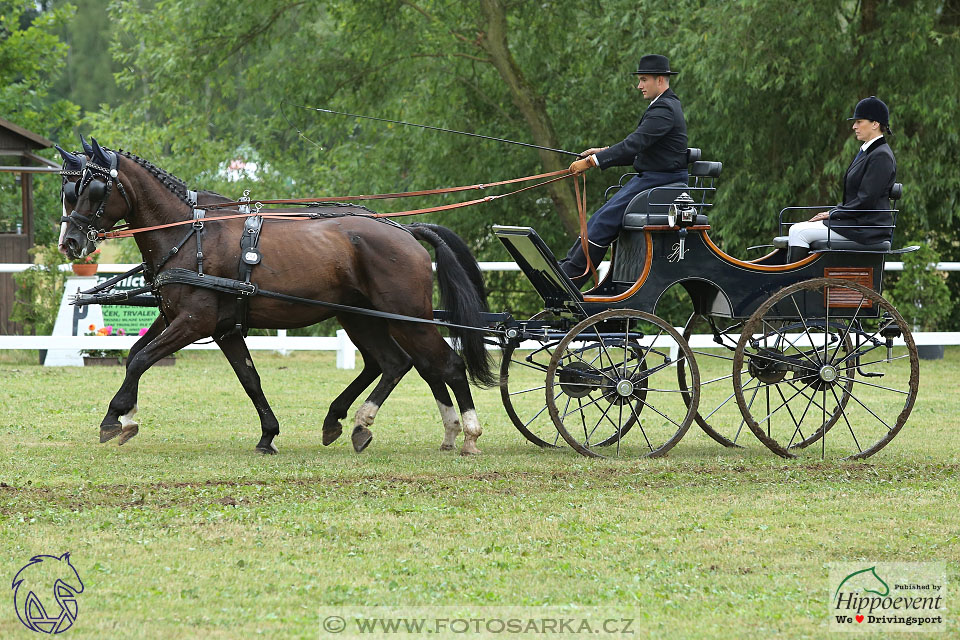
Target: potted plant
x=87 y=265
x=921 y=295
x=101 y=357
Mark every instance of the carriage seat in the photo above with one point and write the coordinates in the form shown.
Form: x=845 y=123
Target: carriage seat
x=836 y=244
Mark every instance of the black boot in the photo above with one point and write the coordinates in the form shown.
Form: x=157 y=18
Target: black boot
x=574 y=264
x=795 y=254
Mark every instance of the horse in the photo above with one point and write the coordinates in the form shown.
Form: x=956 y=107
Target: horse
x=347 y=258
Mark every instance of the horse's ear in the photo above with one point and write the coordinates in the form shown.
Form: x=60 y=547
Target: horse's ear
x=70 y=160
x=107 y=158
x=87 y=149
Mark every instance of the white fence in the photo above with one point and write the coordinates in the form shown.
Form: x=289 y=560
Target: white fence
x=346 y=352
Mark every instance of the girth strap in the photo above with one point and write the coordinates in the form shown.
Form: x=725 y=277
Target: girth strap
x=249 y=257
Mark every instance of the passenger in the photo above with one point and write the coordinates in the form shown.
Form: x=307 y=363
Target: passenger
x=657 y=150
x=862 y=216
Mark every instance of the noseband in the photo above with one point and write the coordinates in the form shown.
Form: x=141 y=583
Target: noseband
x=90 y=227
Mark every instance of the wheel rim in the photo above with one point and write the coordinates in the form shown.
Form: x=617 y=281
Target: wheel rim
x=613 y=371
x=818 y=366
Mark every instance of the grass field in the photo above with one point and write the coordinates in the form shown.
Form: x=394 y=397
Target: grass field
x=186 y=533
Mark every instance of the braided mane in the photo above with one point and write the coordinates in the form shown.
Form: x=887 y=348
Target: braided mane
x=174 y=184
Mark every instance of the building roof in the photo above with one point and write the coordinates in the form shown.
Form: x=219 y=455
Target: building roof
x=16 y=139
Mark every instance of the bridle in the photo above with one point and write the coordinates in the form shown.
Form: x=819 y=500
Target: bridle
x=100 y=180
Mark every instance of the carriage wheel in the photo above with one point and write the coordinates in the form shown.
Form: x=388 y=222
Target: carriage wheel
x=816 y=370
x=522 y=381
x=613 y=370
x=718 y=414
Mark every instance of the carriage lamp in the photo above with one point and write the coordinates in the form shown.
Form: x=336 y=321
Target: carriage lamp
x=682 y=213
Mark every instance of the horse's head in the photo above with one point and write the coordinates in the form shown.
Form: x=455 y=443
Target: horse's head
x=98 y=198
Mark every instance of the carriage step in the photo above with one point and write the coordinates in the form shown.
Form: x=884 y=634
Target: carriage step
x=540 y=266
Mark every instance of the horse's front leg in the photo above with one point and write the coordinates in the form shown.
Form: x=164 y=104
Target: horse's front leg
x=158 y=324
x=119 y=419
x=235 y=349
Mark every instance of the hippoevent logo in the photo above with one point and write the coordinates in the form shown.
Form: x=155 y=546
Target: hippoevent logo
x=888 y=596
x=45 y=593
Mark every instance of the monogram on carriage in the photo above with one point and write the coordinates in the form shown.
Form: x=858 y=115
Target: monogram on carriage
x=796 y=347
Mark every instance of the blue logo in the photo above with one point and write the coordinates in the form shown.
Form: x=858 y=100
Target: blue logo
x=45 y=593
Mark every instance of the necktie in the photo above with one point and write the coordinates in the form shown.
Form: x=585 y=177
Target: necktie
x=859 y=153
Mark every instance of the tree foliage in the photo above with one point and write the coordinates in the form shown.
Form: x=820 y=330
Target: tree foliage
x=766 y=87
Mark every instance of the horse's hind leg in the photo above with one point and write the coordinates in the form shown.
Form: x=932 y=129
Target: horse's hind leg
x=439 y=365
x=235 y=349
x=372 y=338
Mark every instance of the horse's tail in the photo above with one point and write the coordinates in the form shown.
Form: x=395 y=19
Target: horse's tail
x=462 y=294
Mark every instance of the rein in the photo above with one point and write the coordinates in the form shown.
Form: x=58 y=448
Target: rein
x=124 y=231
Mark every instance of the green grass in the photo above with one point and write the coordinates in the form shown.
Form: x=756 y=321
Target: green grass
x=185 y=532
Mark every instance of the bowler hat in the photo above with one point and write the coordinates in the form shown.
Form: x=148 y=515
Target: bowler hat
x=654 y=65
x=872 y=109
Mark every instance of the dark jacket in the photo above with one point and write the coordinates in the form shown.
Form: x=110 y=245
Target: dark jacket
x=658 y=144
x=866 y=196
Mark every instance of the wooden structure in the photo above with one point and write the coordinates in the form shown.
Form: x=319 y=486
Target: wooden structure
x=18 y=148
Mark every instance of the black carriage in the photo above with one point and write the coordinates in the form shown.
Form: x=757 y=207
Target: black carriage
x=799 y=352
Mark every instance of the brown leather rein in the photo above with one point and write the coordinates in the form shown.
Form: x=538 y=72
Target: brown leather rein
x=124 y=231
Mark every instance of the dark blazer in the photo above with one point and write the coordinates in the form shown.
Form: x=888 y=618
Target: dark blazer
x=659 y=142
x=866 y=196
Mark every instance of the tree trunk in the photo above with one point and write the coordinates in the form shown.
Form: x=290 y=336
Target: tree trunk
x=531 y=107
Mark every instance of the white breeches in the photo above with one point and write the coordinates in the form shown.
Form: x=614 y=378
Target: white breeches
x=803 y=233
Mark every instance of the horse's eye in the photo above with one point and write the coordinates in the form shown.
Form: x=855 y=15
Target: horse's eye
x=96 y=190
x=70 y=192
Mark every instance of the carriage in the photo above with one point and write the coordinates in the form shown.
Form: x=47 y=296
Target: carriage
x=798 y=353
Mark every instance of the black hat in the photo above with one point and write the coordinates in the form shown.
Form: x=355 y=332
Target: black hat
x=872 y=109
x=654 y=65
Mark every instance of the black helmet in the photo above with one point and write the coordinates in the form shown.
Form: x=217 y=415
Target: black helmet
x=872 y=109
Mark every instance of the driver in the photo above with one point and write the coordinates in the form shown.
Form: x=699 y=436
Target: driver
x=657 y=149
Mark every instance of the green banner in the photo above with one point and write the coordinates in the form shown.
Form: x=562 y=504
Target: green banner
x=131 y=319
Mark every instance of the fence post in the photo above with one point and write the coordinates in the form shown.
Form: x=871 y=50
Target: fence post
x=346 y=352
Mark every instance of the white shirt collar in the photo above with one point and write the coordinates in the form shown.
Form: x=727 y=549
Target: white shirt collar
x=866 y=145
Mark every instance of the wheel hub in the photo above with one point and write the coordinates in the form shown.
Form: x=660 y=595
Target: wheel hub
x=766 y=368
x=625 y=388
x=828 y=373
x=578 y=379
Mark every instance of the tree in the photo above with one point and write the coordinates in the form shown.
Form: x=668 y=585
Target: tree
x=31 y=57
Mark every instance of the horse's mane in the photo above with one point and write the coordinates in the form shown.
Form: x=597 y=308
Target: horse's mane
x=174 y=184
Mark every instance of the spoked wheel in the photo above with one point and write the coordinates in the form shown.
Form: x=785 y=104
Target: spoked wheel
x=614 y=370
x=820 y=354
x=718 y=413
x=522 y=383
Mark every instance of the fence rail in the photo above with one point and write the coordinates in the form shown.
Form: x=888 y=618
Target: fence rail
x=346 y=352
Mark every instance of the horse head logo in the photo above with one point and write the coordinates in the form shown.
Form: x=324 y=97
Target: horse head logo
x=45 y=593
x=865 y=580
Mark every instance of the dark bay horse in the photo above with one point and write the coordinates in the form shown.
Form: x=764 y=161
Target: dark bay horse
x=350 y=259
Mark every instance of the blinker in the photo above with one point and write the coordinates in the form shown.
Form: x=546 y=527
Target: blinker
x=70 y=192
x=97 y=190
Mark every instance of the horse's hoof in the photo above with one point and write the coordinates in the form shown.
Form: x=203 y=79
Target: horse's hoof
x=469 y=449
x=446 y=447
x=268 y=450
x=128 y=432
x=330 y=435
x=361 y=438
x=109 y=432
